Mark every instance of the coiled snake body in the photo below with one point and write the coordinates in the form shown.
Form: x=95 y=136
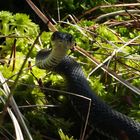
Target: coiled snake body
x=102 y=118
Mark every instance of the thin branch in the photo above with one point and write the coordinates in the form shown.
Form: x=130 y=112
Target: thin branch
x=110 y=72
x=14 y=107
x=19 y=135
x=53 y=90
x=42 y=16
x=7 y=133
x=98 y=19
x=110 y=6
x=86 y=122
x=119 y=23
x=14 y=55
x=41 y=106
x=16 y=81
x=128 y=66
x=114 y=53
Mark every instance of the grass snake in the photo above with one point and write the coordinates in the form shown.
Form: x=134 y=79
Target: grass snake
x=102 y=118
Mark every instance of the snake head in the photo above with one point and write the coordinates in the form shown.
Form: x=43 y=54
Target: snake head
x=62 y=40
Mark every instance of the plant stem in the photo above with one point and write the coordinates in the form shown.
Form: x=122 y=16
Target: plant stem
x=16 y=80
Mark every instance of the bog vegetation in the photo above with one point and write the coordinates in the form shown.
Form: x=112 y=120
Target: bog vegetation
x=46 y=111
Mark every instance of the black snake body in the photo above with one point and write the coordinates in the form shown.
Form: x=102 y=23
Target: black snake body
x=102 y=118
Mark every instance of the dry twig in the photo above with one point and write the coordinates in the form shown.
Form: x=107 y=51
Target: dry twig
x=110 y=6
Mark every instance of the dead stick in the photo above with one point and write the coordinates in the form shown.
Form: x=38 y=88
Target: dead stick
x=109 y=71
x=42 y=16
x=108 y=6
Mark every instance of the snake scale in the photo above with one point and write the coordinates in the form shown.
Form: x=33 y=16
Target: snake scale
x=102 y=118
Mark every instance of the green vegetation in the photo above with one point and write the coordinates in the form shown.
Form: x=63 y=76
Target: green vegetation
x=17 y=34
x=72 y=6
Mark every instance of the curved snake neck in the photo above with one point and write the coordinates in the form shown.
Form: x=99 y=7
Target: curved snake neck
x=102 y=118
x=61 y=43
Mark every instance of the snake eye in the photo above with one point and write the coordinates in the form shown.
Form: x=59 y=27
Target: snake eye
x=70 y=38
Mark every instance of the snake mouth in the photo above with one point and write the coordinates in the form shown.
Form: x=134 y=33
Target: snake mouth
x=61 y=39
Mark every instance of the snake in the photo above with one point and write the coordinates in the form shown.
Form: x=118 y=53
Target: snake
x=102 y=118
